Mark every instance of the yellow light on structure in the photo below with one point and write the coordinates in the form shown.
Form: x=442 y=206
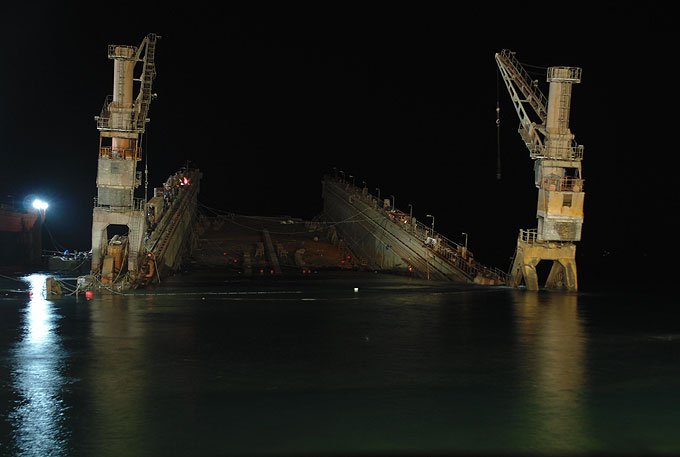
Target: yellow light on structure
x=40 y=204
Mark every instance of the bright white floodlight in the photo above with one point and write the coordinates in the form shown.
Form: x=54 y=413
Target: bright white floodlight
x=39 y=204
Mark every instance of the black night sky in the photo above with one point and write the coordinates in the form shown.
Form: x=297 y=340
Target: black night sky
x=266 y=101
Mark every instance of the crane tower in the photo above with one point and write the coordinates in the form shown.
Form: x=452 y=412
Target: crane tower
x=557 y=174
x=121 y=125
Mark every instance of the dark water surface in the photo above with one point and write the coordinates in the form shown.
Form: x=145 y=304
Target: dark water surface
x=311 y=367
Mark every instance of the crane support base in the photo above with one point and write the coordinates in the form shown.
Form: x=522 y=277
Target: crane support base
x=529 y=253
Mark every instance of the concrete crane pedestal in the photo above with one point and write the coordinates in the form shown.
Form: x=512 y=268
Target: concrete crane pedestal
x=530 y=252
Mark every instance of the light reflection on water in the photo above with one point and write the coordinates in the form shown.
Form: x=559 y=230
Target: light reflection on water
x=36 y=371
x=277 y=368
x=551 y=344
x=117 y=372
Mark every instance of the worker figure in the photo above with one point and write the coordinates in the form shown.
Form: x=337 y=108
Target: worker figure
x=151 y=269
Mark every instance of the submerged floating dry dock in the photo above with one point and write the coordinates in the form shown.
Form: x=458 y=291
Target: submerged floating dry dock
x=154 y=235
x=387 y=239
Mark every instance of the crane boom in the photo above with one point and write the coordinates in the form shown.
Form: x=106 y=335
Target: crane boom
x=516 y=80
x=145 y=95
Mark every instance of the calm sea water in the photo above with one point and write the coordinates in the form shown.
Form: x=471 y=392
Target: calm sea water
x=313 y=367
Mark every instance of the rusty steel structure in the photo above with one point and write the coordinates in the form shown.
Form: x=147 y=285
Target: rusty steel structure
x=557 y=174
x=121 y=125
x=135 y=242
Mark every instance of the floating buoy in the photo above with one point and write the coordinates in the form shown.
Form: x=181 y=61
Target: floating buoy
x=356 y=289
x=89 y=294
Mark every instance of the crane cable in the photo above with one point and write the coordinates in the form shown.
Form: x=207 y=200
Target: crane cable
x=498 y=129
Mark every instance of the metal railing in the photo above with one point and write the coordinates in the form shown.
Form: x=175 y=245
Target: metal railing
x=137 y=205
x=129 y=55
x=571 y=74
x=122 y=123
x=528 y=235
x=565 y=184
x=574 y=152
x=121 y=153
